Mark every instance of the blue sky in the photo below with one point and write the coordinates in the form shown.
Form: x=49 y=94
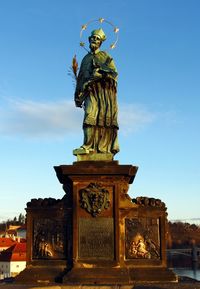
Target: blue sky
x=158 y=60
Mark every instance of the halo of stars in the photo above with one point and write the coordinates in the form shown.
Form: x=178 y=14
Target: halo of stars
x=100 y=20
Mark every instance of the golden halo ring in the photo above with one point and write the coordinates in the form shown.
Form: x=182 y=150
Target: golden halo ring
x=100 y=20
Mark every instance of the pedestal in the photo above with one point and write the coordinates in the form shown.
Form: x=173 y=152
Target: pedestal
x=49 y=241
x=96 y=234
x=116 y=240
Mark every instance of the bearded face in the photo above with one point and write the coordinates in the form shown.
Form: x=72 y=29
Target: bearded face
x=95 y=42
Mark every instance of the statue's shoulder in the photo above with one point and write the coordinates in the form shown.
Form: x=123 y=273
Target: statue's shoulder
x=104 y=54
x=86 y=61
x=87 y=57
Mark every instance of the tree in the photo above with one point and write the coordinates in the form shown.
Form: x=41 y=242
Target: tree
x=21 y=219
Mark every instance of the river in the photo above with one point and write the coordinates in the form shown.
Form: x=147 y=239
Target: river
x=186 y=272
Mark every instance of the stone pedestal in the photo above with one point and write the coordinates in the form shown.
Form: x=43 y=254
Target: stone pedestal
x=96 y=234
x=116 y=240
x=49 y=241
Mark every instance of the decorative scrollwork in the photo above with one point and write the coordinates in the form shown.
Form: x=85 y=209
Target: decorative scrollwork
x=47 y=202
x=151 y=202
x=94 y=198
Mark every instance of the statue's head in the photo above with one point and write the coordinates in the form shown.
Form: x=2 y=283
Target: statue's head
x=96 y=38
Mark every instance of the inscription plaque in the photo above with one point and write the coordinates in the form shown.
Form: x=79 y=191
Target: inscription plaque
x=96 y=238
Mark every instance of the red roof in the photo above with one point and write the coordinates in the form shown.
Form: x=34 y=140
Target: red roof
x=17 y=252
x=22 y=240
x=6 y=242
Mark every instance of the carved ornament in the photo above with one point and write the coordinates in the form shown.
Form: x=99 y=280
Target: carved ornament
x=94 y=199
x=151 y=202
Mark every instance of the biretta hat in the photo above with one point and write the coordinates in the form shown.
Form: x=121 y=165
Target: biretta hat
x=100 y=33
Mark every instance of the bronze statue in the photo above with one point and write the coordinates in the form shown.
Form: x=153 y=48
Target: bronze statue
x=96 y=92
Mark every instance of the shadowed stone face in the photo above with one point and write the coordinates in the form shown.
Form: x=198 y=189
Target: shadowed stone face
x=95 y=42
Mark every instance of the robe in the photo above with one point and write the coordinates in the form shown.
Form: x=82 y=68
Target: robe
x=98 y=95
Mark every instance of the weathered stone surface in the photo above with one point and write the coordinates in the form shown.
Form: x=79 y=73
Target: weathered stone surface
x=96 y=238
x=96 y=235
x=82 y=156
x=180 y=285
x=145 y=201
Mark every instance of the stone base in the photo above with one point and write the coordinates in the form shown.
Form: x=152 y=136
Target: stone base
x=191 y=284
x=120 y=276
x=92 y=156
x=97 y=276
x=96 y=234
x=154 y=275
x=43 y=275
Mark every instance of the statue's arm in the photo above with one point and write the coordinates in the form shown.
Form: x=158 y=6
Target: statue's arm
x=106 y=68
x=109 y=69
x=78 y=92
x=80 y=85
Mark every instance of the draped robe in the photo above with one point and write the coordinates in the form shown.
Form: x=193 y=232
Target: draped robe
x=98 y=95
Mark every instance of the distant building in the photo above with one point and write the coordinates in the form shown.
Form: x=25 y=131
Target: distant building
x=6 y=243
x=14 y=232
x=13 y=260
x=21 y=231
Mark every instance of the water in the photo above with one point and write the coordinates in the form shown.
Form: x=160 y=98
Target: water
x=186 y=272
x=183 y=265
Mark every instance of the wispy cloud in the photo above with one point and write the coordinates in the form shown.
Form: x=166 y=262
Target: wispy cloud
x=35 y=119
x=39 y=119
x=134 y=117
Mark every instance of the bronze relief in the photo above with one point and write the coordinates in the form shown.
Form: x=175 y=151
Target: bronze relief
x=48 y=239
x=142 y=238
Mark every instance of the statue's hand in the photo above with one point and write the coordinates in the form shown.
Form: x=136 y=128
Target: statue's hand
x=78 y=103
x=78 y=98
x=96 y=75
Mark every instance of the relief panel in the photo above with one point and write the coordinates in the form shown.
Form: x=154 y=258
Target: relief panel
x=142 y=238
x=48 y=239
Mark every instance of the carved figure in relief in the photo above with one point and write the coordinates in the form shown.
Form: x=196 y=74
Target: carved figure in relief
x=141 y=249
x=44 y=249
x=133 y=249
x=152 y=248
x=48 y=241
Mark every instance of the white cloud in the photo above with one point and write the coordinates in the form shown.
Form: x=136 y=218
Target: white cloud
x=134 y=117
x=35 y=119
x=39 y=119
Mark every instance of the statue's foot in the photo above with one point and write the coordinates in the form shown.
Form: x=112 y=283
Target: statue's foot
x=114 y=152
x=81 y=151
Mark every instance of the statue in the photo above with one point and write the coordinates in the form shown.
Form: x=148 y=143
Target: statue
x=96 y=92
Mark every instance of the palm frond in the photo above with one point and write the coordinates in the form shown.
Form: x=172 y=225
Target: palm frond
x=73 y=71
